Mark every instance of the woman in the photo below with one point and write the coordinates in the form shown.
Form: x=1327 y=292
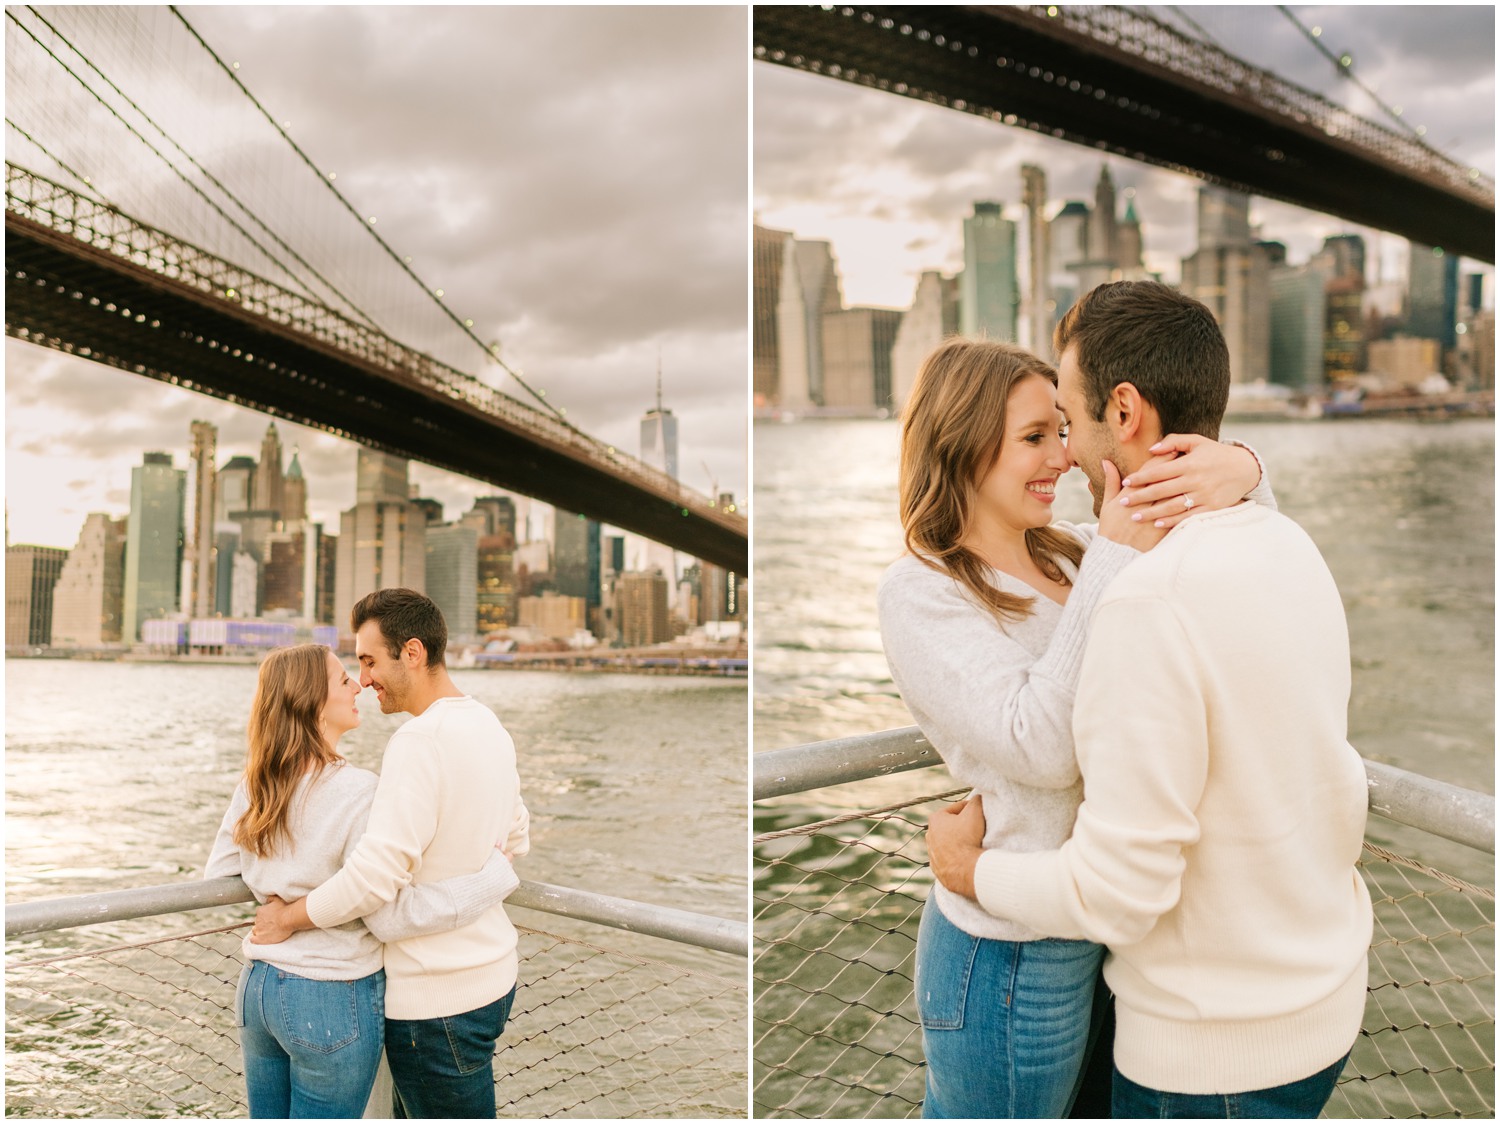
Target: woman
x=984 y=624
x=312 y=1009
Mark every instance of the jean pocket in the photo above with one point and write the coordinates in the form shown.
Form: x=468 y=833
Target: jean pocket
x=319 y=1015
x=945 y=965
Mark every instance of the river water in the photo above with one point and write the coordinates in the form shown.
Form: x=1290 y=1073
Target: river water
x=1402 y=511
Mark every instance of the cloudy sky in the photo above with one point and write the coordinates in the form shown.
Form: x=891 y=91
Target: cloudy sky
x=888 y=180
x=574 y=179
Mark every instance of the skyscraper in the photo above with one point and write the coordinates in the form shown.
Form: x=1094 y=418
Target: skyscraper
x=989 y=294
x=294 y=493
x=88 y=600
x=1298 y=317
x=659 y=434
x=202 y=565
x=1432 y=295
x=453 y=576
x=932 y=318
x=235 y=488
x=382 y=538
x=768 y=252
x=575 y=558
x=153 y=547
x=269 y=483
x=495 y=579
x=857 y=357
x=643 y=609
x=1038 y=251
x=1233 y=278
x=31 y=574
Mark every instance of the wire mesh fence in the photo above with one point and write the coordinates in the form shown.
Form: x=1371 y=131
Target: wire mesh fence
x=836 y=1032
x=146 y=1029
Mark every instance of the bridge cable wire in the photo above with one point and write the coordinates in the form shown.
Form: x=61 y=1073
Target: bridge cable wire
x=215 y=181
x=88 y=186
x=1198 y=27
x=1348 y=72
x=162 y=156
x=327 y=183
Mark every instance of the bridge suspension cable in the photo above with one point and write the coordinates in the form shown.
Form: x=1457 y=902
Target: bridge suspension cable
x=369 y=227
x=248 y=212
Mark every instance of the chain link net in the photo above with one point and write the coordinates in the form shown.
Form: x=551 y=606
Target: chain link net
x=146 y=1029
x=835 y=1028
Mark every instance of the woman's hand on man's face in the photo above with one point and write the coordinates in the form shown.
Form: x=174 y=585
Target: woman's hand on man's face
x=1187 y=467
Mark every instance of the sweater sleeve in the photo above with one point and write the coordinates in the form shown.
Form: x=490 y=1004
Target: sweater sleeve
x=403 y=821
x=1144 y=758
x=1261 y=493
x=224 y=858
x=518 y=842
x=994 y=714
x=437 y=907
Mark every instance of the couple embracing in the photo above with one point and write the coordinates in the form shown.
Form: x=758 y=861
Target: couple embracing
x=1152 y=714
x=382 y=924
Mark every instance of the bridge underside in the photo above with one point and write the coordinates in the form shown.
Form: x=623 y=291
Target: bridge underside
x=169 y=331
x=1122 y=104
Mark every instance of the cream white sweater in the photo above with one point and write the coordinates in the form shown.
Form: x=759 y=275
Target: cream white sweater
x=1223 y=813
x=326 y=818
x=448 y=790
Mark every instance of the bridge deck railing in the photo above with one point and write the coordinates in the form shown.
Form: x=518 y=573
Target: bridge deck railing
x=841 y=876
x=146 y=1028
x=113 y=232
x=1139 y=33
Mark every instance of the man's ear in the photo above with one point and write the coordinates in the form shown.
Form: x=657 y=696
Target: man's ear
x=1125 y=411
x=414 y=653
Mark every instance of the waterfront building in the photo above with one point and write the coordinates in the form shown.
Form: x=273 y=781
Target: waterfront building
x=202 y=573
x=382 y=538
x=153 y=547
x=1297 y=324
x=1130 y=245
x=857 y=358
x=1342 y=263
x=326 y=578
x=294 y=492
x=659 y=435
x=453 y=577
x=932 y=318
x=642 y=609
x=1474 y=357
x=235 y=489
x=808 y=290
x=576 y=558
x=1405 y=361
x=553 y=614
x=1036 y=306
x=615 y=555
x=431 y=508
x=495 y=593
x=1432 y=295
x=1233 y=278
x=269 y=491
x=31 y=576
x=226 y=546
x=88 y=600
x=989 y=293
x=282 y=576
x=1067 y=235
x=492 y=515
x=244 y=585
x=768 y=250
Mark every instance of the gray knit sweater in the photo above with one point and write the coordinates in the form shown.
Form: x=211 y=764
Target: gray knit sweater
x=327 y=818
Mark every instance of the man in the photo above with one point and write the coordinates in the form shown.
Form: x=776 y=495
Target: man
x=1224 y=810
x=448 y=790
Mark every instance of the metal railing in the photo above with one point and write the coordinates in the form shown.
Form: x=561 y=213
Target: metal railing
x=837 y=902
x=146 y=1028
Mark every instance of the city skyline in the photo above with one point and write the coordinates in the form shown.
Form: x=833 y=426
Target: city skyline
x=888 y=180
x=563 y=236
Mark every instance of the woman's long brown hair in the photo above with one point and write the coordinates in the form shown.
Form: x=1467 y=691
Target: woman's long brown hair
x=951 y=432
x=285 y=740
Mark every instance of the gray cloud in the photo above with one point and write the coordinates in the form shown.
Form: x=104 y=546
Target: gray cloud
x=574 y=179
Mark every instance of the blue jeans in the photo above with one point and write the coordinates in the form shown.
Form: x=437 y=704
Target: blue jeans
x=311 y=1046
x=1298 y=1100
x=1005 y=1024
x=442 y=1068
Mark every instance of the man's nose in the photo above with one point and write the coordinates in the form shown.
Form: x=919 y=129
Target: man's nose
x=364 y=677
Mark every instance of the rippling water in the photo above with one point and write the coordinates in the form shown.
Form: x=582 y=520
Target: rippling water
x=1403 y=511
x=117 y=775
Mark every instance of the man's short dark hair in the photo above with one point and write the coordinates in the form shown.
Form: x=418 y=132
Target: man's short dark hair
x=1164 y=343
x=403 y=614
